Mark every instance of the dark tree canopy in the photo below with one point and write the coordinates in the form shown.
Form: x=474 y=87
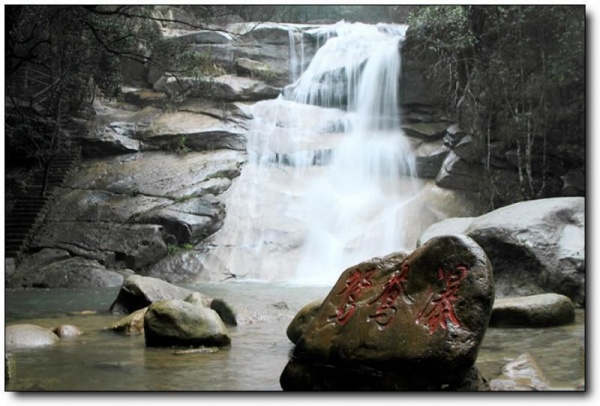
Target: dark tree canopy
x=514 y=74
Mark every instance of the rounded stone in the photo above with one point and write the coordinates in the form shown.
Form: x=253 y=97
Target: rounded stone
x=177 y=323
x=23 y=336
x=544 y=310
x=67 y=331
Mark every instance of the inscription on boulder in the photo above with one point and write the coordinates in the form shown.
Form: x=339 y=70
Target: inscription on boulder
x=419 y=319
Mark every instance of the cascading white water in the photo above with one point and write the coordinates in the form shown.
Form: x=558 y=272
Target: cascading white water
x=354 y=211
x=328 y=179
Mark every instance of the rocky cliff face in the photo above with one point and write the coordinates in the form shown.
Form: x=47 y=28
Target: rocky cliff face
x=156 y=170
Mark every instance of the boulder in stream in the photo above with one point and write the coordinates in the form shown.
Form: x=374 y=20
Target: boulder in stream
x=537 y=246
x=545 y=310
x=138 y=292
x=178 y=323
x=26 y=336
x=400 y=322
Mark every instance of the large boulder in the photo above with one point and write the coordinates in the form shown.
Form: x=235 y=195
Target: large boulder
x=178 y=323
x=535 y=247
x=138 y=292
x=418 y=320
x=26 y=336
x=545 y=310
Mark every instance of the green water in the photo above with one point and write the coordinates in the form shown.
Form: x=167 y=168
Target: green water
x=101 y=360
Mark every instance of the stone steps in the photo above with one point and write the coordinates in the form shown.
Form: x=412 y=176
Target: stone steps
x=31 y=208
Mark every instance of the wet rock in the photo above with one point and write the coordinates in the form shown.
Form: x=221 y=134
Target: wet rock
x=74 y=272
x=132 y=324
x=426 y=131
x=185 y=132
x=177 y=323
x=137 y=245
x=220 y=110
x=535 y=247
x=182 y=267
x=67 y=331
x=522 y=374
x=419 y=320
x=106 y=142
x=467 y=150
x=138 y=292
x=198 y=299
x=205 y=37
x=25 y=336
x=429 y=157
x=251 y=68
x=225 y=312
x=301 y=320
x=43 y=258
x=457 y=173
x=545 y=310
x=189 y=221
x=235 y=88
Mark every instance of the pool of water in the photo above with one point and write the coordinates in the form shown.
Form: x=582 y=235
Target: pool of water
x=101 y=360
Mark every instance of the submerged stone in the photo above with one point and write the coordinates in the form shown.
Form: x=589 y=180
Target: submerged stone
x=419 y=320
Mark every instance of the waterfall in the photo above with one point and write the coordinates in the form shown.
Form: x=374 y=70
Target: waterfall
x=354 y=211
x=328 y=182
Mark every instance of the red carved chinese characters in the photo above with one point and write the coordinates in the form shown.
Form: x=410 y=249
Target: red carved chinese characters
x=439 y=307
x=355 y=283
x=392 y=290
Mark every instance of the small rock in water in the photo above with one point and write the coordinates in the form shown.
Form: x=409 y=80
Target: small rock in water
x=522 y=374
x=132 y=324
x=67 y=331
x=83 y=313
x=200 y=350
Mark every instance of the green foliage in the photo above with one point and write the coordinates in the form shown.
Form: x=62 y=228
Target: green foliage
x=181 y=147
x=173 y=249
x=443 y=28
x=511 y=73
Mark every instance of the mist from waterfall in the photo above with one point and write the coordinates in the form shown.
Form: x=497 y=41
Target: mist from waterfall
x=328 y=181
